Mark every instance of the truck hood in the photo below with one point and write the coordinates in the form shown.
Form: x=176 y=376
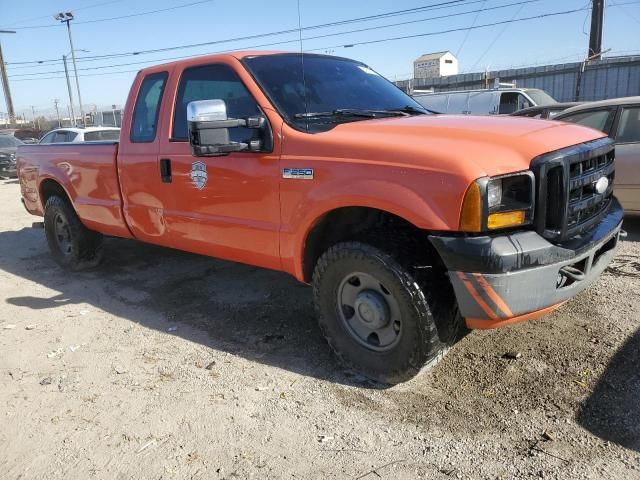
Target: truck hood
x=479 y=146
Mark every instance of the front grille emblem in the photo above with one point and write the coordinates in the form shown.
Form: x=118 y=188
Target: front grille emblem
x=601 y=185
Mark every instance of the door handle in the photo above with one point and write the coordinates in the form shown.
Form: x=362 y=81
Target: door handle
x=165 y=170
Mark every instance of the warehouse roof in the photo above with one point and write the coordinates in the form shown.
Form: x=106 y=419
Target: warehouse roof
x=432 y=56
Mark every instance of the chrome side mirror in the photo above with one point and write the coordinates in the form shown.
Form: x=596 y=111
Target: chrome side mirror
x=209 y=129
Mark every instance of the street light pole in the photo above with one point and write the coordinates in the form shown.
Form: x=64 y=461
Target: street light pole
x=66 y=73
x=55 y=102
x=66 y=17
x=5 y=85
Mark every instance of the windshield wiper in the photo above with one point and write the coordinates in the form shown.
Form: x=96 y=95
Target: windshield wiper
x=408 y=109
x=351 y=112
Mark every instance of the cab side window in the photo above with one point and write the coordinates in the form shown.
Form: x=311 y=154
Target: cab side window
x=629 y=126
x=523 y=102
x=145 y=113
x=508 y=103
x=214 y=82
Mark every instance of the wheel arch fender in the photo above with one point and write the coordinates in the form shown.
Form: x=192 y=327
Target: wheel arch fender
x=397 y=201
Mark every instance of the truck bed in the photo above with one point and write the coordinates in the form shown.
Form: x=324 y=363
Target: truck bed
x=88 y=174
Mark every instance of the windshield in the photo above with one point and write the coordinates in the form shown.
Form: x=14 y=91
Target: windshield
x=7 y=141
x=541 y=97
x=332 y=84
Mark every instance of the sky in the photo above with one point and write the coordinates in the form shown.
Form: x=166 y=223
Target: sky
x=105 y=82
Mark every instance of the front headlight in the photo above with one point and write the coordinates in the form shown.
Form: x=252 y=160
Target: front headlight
x=492 y=203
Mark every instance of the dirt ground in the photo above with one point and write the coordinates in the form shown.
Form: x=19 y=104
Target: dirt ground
x=161 y=364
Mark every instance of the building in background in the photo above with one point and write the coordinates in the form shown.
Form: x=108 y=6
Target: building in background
x=435 y=65
x=601 y=79
x=107 y=118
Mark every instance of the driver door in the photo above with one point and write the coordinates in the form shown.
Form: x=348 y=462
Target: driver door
x=224 y=206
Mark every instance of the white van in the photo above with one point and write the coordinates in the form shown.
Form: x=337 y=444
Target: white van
x=484 y=102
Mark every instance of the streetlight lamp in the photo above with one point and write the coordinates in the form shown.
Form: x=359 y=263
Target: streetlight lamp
x=66 y=17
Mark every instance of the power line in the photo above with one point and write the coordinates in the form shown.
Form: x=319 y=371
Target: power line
x=436 y=6
x=497 y=37
x=505 y=22
x=370 y=41
x=466 y=36
x=452 y=30
x=522 y=2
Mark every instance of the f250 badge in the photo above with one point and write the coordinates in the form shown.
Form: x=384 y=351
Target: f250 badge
x=299 y=173
x=199 y=174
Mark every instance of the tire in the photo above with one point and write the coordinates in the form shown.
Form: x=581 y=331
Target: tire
x=420 y=340
x=73 y=246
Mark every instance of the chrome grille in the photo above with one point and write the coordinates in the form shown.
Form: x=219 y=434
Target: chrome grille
x=567 y=201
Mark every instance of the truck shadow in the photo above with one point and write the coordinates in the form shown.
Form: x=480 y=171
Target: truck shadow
x=258 y=314
x=612 y=411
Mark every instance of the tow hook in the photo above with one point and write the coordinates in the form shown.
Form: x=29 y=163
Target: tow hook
x=623 y=234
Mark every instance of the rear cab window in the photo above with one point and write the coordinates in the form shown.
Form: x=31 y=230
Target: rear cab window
x=147 y=108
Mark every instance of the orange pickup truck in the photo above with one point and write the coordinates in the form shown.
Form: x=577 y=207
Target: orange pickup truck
x=411 y=226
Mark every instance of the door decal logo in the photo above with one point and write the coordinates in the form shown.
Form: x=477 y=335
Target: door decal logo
x=199 y=174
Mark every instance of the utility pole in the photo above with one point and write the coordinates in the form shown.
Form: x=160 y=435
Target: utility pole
x=66 y=17
x=33 y=112
x=66 y=74
x=595 y=36
x=5 y=85
x=55 y=102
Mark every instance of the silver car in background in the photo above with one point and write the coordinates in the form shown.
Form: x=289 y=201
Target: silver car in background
x=620 y=119
x=88 y=134
x=8 y=147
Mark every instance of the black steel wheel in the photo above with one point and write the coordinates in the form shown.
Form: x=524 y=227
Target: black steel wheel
x=377 y=317
x=72 y=245
x=369 y=311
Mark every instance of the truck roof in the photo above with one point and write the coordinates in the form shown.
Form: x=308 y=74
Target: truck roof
x=234 y=54
x=216 y=56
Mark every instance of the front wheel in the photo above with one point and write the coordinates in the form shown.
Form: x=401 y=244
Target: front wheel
x=73 y=246
x=377 y=317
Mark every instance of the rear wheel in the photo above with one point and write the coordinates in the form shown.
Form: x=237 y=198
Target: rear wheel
x=378 y=318
x=72 y=245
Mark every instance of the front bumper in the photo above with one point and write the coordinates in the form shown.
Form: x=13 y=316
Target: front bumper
x=504 y=279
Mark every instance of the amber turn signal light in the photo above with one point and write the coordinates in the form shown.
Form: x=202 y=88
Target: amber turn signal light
x=471 y=215
x=506 y=219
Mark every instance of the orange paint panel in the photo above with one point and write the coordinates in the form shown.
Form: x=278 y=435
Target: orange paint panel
x=495 y=298
x=476 y=296
x=483 y=324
